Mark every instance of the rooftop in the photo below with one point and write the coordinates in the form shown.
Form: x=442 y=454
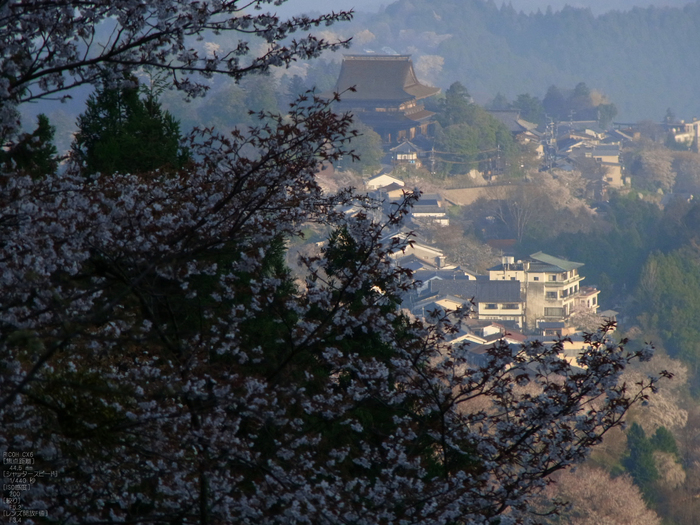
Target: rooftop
x=481 y=291
x=381 y=77
x=563 y=264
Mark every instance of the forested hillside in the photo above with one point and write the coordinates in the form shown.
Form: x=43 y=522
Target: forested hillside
x=647 y=59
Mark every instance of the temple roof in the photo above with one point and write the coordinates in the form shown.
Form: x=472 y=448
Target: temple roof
x=381 y=78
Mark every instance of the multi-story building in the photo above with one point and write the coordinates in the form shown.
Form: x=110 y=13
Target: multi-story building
x=551 y=287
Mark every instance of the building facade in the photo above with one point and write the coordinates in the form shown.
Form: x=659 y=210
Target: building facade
x=551 y=287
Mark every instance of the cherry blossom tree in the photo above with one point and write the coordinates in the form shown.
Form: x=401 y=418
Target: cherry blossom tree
x=159 y=358
x=50 y=47
x=596 y=498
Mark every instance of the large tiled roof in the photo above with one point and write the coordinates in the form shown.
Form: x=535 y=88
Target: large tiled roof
x=381 y=77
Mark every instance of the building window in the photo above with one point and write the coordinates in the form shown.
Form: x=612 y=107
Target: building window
x=550 y=295
x=491 y=306
x=510 y=306
x=536 y=278
x=552 y=277
x=595 y=300
x=512 y=278
x=553 y=312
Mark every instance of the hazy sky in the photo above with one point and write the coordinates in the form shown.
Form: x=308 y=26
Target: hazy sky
x=292 y=7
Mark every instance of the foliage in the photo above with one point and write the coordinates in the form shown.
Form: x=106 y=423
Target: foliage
x=456 y=107
x=33 y=153
x=516 y=207
x=653 y=170
x=664 y=441
x=260 y=94
x=155 y=37
x=668 y=409
x=290 y=89
x=606 y=114
x=469 y=135
x=158 y=356
x=117 y=121
x=540 y=208
x=652 y=460
x=578 y=104
x=554 y=103
x=640 y=460
x=224 y=108
x=687 y=168
x=668 y=297
x=322 y=75
x=499 y=102
x=367 y=153
x=596 y=498
x=462 y=249
x=630 y=229
x=531 y=108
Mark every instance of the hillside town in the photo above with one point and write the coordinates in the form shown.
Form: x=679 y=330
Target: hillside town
x=538 y=295
x=333 y=268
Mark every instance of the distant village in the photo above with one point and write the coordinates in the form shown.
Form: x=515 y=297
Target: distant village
x=537 y=296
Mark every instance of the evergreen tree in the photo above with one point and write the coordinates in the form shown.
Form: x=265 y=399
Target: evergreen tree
x=580 y=98
x=499 y=102
x=554 y=103
x=606 y=113
x=122 y=132
x=639 y=461
x=291 y=89
x=34 y=153
x=456 y=107
x=664 y=441
x=670 y=116
x=470 y=133
x=530 y=107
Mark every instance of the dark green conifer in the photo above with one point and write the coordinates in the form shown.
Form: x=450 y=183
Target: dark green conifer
x=34 y=153
x=122 y=132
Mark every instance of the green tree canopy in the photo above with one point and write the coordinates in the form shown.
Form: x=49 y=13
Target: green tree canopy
x=456 y=107
x=554 y=103
x=499 y=102
x=469 y=133
x=639 y=461
x=367 y=152
x=531 y=108
x=34 y=153
x=125 y=131
x=668 y=299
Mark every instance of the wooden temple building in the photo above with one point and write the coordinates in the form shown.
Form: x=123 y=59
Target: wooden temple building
x=386 y=97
